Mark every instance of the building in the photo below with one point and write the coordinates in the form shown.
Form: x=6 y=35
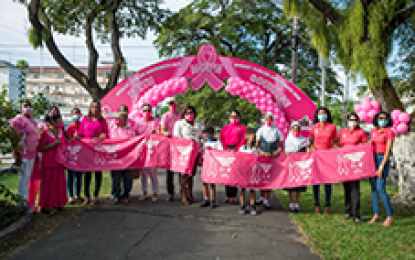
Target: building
x=59 y=87
x=13 y=79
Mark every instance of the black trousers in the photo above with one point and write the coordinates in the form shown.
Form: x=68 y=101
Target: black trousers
x=231 y=192
x=170 y=182
x=352 y=198
x=98 y=182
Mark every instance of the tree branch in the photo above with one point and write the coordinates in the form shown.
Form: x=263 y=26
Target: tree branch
x=118 y=59
x=35 y=10
x=402 y=16
x=327 y=10
x=93 y=53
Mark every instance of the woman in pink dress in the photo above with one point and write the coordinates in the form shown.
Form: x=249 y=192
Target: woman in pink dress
x=148 y=125
x=93 y=126
x=53 y=185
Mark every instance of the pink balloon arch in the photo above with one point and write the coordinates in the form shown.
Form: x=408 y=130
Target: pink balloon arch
x=268 y=91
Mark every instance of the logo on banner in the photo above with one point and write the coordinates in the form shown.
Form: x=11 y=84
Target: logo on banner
x=223 y=167
x=109 y=157
x=151 y=145
x=261 y=173
x=300 y=170
x=350 y=163
x=205 y=68
x=71 y=154
x=182 y=157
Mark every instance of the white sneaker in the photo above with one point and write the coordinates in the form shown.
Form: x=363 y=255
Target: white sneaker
x=292 y=208
x=297 y=208
x=259 y=201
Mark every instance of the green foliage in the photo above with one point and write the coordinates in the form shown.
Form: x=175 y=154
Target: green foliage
x=257 y=31
x=7 y=112
x=39 y=102
x=214 y=107
x=22 y=65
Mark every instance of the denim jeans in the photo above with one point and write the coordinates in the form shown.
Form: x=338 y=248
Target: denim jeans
x=379 y=188
x=74 y=177
x=316 y=193
x=127 y=177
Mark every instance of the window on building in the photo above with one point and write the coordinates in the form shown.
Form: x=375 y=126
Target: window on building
x=60 y=76
x=57 y=88
x=73 y=100
x=86 y=100
x=47 y=89
x=40 y=88
x=73 y=88
x=36 y=76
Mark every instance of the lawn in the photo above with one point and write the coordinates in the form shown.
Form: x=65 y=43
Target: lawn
x=41 y=224
x=333 y=237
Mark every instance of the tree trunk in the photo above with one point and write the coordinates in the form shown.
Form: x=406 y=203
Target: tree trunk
x=386 y=95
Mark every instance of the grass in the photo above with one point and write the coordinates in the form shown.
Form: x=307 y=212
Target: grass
x=41 y=224
x=333 y=237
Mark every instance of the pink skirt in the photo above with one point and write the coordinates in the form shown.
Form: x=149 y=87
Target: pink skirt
x=53 y=192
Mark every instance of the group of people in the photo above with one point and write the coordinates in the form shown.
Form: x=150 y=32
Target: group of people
x=39 y=143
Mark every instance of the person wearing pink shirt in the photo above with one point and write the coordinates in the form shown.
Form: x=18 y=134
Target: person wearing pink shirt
x=93 y=126
x=166 y=127
x=122 y=131
x=323 y=136
x=382 y=139
x=148 y=124
x=232 y=137
x=53 y=185
x=24 y=125
x=74 y=177
x=121 y=109
x=352 y=135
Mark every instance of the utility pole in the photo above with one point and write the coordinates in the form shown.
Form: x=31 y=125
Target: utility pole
x=294 y=51
x=322 y=63
x=346 y=99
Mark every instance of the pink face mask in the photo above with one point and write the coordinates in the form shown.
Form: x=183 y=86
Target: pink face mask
x=119 y=122
x=296 y=134
x=173 y=108
x=27 y=111
x=234 y=120
x=189 y=117
x=268 y=123
x=147 y=114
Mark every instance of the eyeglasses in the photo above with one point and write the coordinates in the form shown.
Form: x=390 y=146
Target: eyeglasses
x=146 y=110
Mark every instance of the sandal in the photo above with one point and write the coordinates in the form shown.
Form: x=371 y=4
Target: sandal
x=317 y=210
x=142 y=198
x=87 y=201
x=374 y=219
x=96 y=201
x=388 y=222
x=226 y=200
x=357 y=220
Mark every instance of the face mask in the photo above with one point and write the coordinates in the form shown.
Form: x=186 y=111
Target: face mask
x=147 y=114
x=173 y=108
x=352 y=124
x=28 y=111
x=383 y=122
x=209 y=139
x=268 y=123
x=76 y=117
x=296 y=134
x=119 y=122
x=189 y=117
x=234 y=120
x=322 y=118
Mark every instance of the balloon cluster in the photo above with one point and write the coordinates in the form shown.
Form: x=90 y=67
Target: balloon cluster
x=400 y=121
x=158 y=93
x=367 y=110
x=260 y=98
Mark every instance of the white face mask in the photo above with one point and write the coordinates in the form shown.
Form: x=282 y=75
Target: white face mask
x=352 y=124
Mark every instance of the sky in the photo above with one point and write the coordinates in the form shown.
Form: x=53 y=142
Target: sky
x=14 y=44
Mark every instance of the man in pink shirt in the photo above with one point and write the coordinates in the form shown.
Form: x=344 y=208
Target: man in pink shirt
x=121 y=109
x=148 y=124
x=29 y=134
x=167 y=125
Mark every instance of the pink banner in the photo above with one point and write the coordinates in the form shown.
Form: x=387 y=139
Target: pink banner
x=176 y=154
x=301 y=169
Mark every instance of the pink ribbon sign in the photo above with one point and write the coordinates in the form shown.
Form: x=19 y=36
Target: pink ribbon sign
x=301 y=169
x=175 y=154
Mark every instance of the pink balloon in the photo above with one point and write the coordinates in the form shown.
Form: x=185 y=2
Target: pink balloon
x=395 y=114
x=357 y=108
x=376 y=105
x=368 y=120
x=371 y=114
x=366 y=101
x=402 y=128
x=362 y=115
x=404 y=117
x=366 y=106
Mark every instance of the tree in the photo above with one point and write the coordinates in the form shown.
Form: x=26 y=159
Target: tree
x=256 y=31
x=105 y=20
x=214 y=107
x=361 y=36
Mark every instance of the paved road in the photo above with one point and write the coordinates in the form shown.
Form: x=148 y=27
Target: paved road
x=168 y=230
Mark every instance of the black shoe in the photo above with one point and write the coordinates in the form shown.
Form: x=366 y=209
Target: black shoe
x=47 y=212
x=242 y=210
x=267 y=205
x=170 y=198
x=253 y=211
x=59 y=208
x=259 y=202
x=213 y=204
x=205 y=204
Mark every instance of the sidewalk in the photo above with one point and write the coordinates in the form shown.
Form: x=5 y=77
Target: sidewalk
x=168 y=230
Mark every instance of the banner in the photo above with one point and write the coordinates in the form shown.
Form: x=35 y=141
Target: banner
x=254 y=172
x=175 y=154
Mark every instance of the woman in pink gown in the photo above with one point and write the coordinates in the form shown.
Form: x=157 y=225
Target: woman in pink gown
x=53 y=184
